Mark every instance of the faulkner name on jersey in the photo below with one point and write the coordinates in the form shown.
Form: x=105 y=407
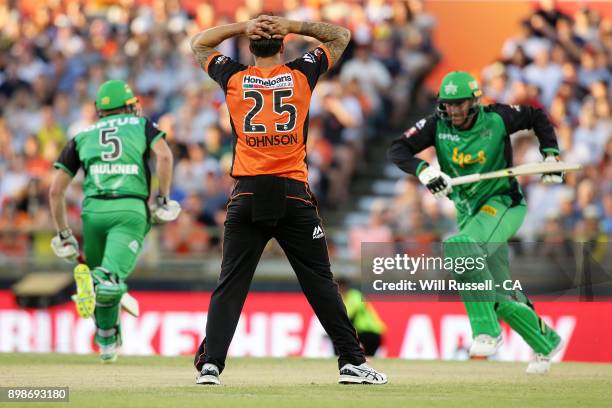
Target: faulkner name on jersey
x=108 y=168
x=272 y=140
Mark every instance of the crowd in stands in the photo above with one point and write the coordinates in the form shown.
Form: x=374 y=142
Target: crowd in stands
x=560 y=63
x=54 y=55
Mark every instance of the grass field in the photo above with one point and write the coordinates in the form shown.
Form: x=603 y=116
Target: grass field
x=296 y=382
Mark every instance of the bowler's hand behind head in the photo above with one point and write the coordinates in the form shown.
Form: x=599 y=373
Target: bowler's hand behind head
x=257 y=28
x=277 y=26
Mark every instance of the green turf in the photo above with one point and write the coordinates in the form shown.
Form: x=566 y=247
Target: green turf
x=296 y=382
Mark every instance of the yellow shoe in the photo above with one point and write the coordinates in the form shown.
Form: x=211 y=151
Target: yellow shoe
x=85 y=298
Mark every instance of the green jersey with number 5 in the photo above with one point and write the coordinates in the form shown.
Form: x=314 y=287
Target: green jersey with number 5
x=114 y=154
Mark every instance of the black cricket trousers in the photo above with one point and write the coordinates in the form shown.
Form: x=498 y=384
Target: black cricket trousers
x=298 y=230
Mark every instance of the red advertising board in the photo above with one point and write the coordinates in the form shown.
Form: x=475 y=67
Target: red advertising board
x=282 y=324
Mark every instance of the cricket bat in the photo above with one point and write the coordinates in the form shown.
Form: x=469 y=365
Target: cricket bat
x=522 y=170
x=130 y=304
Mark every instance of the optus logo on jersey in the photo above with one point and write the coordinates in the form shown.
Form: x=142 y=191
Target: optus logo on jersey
x=279 y=81
x=466 y=158
x=126 y=120
x=448 y=136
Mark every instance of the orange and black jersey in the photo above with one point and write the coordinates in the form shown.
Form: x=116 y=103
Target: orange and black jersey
x=269 y=112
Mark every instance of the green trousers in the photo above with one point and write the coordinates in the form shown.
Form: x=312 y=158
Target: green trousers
x=488 y=232
x=113 y=235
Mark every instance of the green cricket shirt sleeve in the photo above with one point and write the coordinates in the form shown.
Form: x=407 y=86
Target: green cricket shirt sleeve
x=152 y=132
x=521 y=117
x=416 y=139
x=68 y=159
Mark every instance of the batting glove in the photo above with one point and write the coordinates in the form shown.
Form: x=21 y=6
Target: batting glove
x=165 y=210
x=436 y=181
x=552 y=178
x=65 y=245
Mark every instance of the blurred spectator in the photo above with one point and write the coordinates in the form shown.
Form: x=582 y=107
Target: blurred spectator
x=375 y=231
x=545 y=74
x=87 y=117
x=195 y=115
x=186 y=236
x=589 y=231
x=547 y=15
x=606 y=224
x=29 y=66
x=14 y=178
x=590 y=137
x=554 y=238
x=11 y=83
x=216 y=143
x=191 y=170
x=524 y=42
x=372 y=76
x=496 y=82
x=593 y=67
x=342 y=120
x=215 y=198
x=50 y=131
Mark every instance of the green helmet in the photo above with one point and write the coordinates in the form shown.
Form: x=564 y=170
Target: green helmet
x=458 y=86
x=114 y=94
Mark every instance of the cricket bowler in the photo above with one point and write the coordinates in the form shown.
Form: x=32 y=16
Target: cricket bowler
x=268 y=104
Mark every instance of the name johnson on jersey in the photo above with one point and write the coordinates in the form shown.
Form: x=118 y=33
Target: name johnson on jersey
x=272 y=140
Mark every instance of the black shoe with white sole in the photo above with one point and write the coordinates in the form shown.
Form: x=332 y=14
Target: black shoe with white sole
x=209 y=375
x=361 y=374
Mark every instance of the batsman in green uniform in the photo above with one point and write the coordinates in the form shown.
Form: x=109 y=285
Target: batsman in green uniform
x=114 y=154
x=470 y=138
